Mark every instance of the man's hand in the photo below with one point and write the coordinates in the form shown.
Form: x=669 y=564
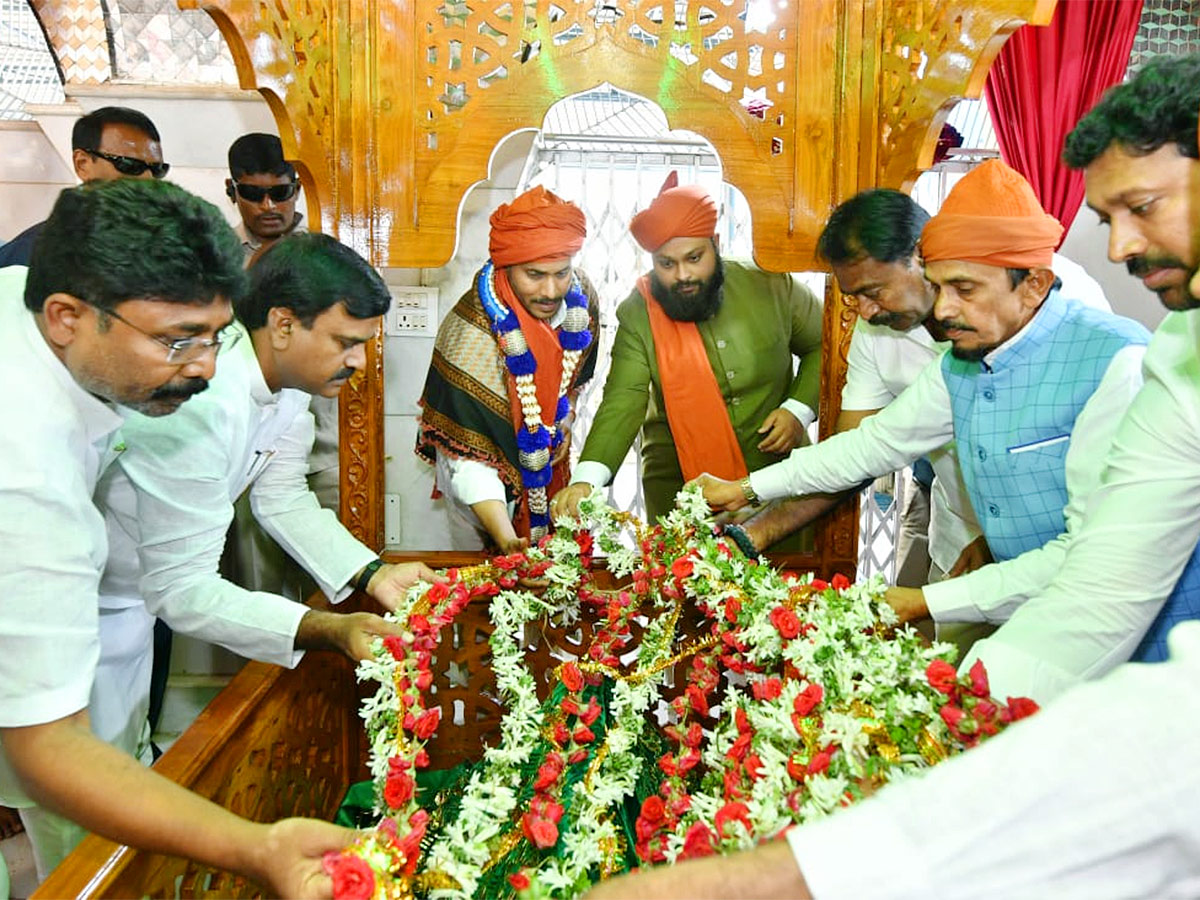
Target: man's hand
x=289 y=856
x=564 y=449
x=909 y=603
x=974 y=556
x=566 y=502
x=391 y=582
x=351 y=633
x=783 y=432
x=719 y=493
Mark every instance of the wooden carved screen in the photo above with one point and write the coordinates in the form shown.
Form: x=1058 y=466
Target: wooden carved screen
x=394 y=108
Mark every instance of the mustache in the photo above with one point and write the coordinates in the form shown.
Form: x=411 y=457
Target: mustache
x=189 y=388
x=887 y=318
x=1140 y=266
x=951 y=325
x=342 y=373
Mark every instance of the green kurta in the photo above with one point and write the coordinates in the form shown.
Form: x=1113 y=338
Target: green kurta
x=765 y=319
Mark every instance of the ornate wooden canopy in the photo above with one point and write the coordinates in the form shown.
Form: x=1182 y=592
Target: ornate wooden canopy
x=394 y=108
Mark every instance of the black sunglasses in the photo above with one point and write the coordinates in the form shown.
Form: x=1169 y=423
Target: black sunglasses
x=128 y=165
x=253 y=193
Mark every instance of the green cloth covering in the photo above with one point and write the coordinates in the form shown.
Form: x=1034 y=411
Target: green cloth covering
x=764 y=321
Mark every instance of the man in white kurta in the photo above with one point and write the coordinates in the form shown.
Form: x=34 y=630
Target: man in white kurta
x=170 y=501
x=79 y=346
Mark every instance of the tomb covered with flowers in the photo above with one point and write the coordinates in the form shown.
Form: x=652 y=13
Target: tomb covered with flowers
x=716 y=703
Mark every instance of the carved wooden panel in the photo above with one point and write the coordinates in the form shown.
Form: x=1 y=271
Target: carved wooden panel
x=273 y=743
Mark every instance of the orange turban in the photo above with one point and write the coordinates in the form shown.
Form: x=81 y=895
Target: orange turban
x=992 y=217
x=687 y=211
x=537 y=225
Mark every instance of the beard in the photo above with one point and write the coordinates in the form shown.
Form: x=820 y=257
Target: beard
x=1174 y=297
x=697 y=307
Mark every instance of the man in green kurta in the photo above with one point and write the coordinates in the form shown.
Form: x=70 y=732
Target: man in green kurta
x=702 y=362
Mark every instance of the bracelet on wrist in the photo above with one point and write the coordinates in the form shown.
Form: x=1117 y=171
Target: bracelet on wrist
x=741 y=540
x=368 y=571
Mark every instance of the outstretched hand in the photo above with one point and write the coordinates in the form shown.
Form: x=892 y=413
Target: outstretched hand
x=289 y=856
x=350 y=633
x=720 y=494
x=566 y=502
x=391 y=582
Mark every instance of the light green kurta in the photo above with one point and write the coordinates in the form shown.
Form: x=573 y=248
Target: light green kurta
x=765 y=319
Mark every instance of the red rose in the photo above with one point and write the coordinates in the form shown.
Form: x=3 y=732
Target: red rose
x=437 y=593
x=820 y=761
x=796 y=768
x=424 y=680
x=806 y=701
x=819 y=585
x=732 y=812
x=519 y=881
x=541 y=832
x=697 y=699
x=753 y=766
x=839 y=582
x=942 y=676
x=427 y=724
x=583 y=735
x=733 y=606
x=569 y=706
x=546 y=776
x=398 y=789
x=1020 y=708
x=666 y=763
x=979 y=679
x=418 y=624
x=592 y=713
x=785 y=622
x=572 y=677
x=653 y=809
x=562 y=734
x=395 y=646
x=767 y=690
x=683 y=567
x=698 y=841
x=352 y=877
x=740 y=747
x=694 y=736
x=688 y=761
x=577 y=756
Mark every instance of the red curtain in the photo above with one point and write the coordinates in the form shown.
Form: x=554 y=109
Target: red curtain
x=1044 y=80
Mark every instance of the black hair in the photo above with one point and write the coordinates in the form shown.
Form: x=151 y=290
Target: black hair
x=258 y=154
x=1158 y=106
x=882 y=224
x=309 y=273
x=131 y=239
x=88 y=129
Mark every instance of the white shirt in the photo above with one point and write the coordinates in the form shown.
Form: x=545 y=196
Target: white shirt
x=1094 y=797
x=170 y=501
x=881 y=363
x=920 y=421
x=52 y=543
x=1143 y=524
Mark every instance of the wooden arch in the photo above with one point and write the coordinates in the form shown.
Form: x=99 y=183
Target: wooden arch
x=393 y=109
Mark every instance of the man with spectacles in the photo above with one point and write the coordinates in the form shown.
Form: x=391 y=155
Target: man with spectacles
x=112 y=142
x=263 y=186
x=127 y=297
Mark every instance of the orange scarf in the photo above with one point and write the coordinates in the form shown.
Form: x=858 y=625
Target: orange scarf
x=547 y=379
x=704 y=437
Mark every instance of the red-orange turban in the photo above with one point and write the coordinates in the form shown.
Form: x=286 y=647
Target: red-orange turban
x=535 y=226
x=992 y=217
x=687 y=211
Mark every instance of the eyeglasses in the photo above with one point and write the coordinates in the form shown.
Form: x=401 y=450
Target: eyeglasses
x=188 y=349
x=253 y=193
x=129 y=165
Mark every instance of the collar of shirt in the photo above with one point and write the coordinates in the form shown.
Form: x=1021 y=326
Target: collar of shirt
x=989 y=361
x=250 y=243
x=99 y=417
x=260 y=393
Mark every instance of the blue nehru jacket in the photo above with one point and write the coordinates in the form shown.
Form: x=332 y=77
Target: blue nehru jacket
x=1013 y=418
x=1182 y=605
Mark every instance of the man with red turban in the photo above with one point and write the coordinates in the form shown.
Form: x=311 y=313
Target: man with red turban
x=703 y=362
x=507 y=365
x=1032 y=391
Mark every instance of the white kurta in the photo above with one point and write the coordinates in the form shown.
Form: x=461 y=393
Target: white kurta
x=1093 y=797
x=52 y=540
x=1142 y=526
x=169 y=503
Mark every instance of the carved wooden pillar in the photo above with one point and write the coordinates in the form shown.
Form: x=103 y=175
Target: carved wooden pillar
x=393 y=110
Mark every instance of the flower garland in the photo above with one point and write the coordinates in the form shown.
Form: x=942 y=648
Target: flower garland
x=799 y=697
x=536 y=442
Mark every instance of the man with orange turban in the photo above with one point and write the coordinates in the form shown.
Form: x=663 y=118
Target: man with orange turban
x=1031 y=392
x=507 y=365
x=703 y=361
